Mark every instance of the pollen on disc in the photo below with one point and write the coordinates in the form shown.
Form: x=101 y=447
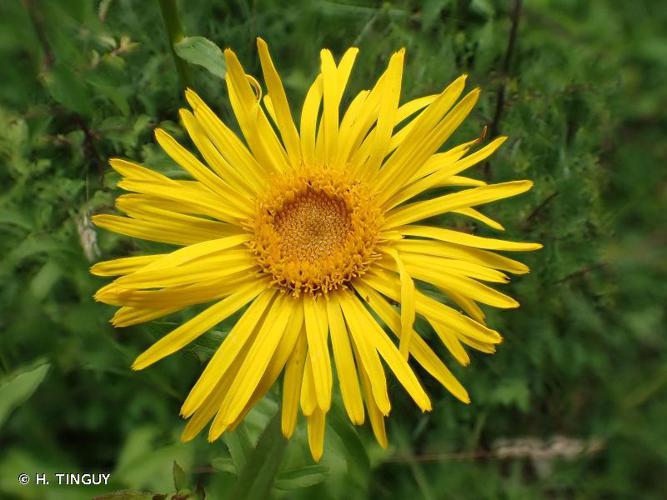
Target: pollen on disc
x=315 y=231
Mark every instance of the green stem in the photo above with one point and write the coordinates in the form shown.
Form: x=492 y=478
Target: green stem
x=175 y=34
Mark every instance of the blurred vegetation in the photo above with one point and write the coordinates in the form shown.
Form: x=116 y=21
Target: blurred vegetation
x=573 y=404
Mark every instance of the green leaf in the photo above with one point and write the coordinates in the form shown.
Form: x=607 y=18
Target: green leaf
x=68 y=89
x=18 y=387
x=257 y=478
x=358 y=463
x=224 y=464
x=180 y=478
x=202 y=52
x=302 y=477
x=206 y=345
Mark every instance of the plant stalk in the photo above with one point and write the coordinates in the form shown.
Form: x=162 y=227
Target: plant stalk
x=175 y=34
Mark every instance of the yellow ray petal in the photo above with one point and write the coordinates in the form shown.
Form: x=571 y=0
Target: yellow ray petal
x=209 y=408
x=389 y=97
x=171 y=297
x=420 y=142
x=379 y=339
x=251 y=118
x=462 y=267
x=470 y=197
x=308 y=398
x=418 y=347
x=479 y=216
x=347 y=372
x=255 y=364
x=452 y=342
x=192 y=329
x=318 y=350
x=316 y=425
x=308 y=123
x=285 y=348
x=244 y=184
x=197 y=251
x=280 y=105
x=205 y=202
x=202 y=173
x=205 y=269
x=469 y=240
x=135 y=171
x=292 y=386
x=156 y=213
x=407 y=303
x=469 y=306
x=461 y=253
x=149 y=230
x=331 y=100
x=124 y=265
x=128 y=316
x=432 y=309
x=366 y=353
x=472 y=159
x=346 y=135
x=226 y=142
x=375 y=415
x=223 y=358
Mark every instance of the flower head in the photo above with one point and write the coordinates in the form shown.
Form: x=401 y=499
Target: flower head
x=316 y=236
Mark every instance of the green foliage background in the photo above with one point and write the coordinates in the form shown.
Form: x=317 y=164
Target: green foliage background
x=584 y=357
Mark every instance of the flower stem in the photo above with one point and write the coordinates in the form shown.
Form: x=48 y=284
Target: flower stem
x=175 y=34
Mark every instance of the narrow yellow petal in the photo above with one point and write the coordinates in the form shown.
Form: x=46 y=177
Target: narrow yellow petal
x=251 y=118
x=469 y=240
x=197 y=326
x=379 y=339
x=331 y=101
x=461 y=253
x=407 y=304
x=425 y=137
x=228 y=351
x=418 y=347
x=210 y=407
x=376 y=416
x=367 y=356
x=243 y=182
x=149 y=230
x=347 y=372
x=318 y=350
x=254 y=365
x=470 y=197
x=160 y=214
x=462 y=267
x=229 y=146
x=277 y=363
x=128 y=316
x=280 y=104
x=200 y=172
x=308 y=124
x=316 y=425
x=292 y=386
x=479 y=216
x=389 y=96
x=124 y=265
x=432 y=309
x=308 y=398
x=205 y=201
x=133 y=170
x=210 y=268
x=197 y=251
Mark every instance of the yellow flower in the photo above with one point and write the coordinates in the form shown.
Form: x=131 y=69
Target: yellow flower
x=313 y=233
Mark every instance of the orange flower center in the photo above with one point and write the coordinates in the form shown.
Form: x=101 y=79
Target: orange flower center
x=315 y=231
